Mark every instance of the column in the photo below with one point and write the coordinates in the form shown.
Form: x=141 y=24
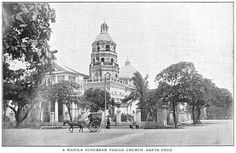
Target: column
x=66 y=77
x=138 y=117
x=165 y=116
x=118 y=117
x=41 y=114
x=72 y=111
x=160 y=116
x=56 y=79
x=56 y=111
x=51 y=114
x=52 y=117
x=41 y=111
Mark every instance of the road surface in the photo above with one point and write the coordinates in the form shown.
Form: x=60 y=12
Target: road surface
x=215 y=132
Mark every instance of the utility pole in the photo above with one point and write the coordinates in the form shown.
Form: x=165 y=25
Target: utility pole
x=105 y=101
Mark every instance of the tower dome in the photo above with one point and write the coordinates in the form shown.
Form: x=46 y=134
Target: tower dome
x=104 y=34
x=127 y=71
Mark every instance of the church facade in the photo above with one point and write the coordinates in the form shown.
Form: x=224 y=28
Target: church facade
x=103 y=73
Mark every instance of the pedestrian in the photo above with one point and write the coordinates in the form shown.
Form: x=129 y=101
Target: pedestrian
x=108 y=123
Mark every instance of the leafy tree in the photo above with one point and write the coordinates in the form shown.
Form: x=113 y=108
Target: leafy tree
x=95 y=99
x=64 y=92
x=26 y=30
x=227 y=99
x=206 y=98
x=174 y=77
x=221 y=104
x=153 y=101
x=141 y=88
x=194 y=94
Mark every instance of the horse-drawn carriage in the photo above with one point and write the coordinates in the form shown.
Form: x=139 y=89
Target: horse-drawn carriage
x=94 y=123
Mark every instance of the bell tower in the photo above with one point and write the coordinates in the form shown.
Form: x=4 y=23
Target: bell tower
x=104 y=56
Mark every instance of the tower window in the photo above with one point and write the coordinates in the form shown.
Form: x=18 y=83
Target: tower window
x=93 y=60
x=98 y=49
x=112 y=60
x=97 y=59
x=107 y=47
x=95 y=77
x=102 y=59
x=107 y=75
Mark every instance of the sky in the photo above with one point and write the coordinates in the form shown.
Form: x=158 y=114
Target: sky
x=152 y=35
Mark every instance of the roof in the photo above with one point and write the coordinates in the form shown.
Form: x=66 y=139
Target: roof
x=104 y=33
x=67 y=69
x=103 y=36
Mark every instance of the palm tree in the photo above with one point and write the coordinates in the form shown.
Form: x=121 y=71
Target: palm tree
x=141 y=87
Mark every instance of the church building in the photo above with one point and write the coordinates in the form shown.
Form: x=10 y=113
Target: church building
x=104 y=71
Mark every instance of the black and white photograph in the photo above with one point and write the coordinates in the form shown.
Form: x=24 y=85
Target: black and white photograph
x=128 y=76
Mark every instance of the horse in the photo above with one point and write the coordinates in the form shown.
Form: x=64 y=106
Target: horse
x=80 y=124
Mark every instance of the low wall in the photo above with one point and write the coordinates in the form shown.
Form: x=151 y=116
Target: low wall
x=121 y=124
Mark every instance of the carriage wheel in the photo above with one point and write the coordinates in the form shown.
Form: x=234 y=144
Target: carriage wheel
x=95 y=126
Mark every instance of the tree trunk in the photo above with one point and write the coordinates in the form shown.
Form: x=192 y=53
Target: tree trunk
x=4 y=112
x=143 y=115
x=20 y=119
x=198 y=114
x=17 y=117
x=17 y=120
x=68 y=108
x=193 y=116
x=174 y=115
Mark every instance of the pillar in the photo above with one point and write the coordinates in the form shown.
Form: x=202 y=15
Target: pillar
x=51 y=114
x=73 y=111
x=66 y=77
x=52 y=117
x=118 y=117
x=138 y=117
x=56 y=79
x=56 y=111
x=76 y=112
x=41 y=111
x=65 y=112
x=41 y=114
x=160 y=116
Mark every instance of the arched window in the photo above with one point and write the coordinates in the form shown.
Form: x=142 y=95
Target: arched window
x=112 y=60
x=95 y=77
x=107 y=47
x=97 y=59
x=93 y=60
x=102 y=59
x=107 y=75
x=98 y=49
